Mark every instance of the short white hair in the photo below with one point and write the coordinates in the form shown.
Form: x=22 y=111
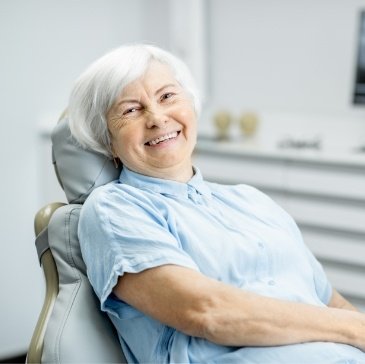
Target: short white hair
x=97 y=88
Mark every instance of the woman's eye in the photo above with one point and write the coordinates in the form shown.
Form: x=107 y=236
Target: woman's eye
x=129 y=111
x=167 y=95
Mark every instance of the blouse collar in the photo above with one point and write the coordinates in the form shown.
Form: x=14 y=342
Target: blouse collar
x=196 y=185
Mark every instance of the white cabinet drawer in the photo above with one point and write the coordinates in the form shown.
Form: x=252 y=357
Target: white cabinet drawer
x=335 y=246
x=326 y=180
x=234 y=170
x=336 y=214
x=346 y=281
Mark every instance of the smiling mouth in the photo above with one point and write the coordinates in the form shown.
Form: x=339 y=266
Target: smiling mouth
x=163 y=138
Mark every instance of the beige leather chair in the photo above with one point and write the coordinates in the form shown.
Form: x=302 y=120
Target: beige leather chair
x=71 y=328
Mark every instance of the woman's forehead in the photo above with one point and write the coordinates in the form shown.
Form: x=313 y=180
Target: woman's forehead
x=156 y=77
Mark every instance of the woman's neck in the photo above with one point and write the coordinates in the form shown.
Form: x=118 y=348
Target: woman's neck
x=175 y=173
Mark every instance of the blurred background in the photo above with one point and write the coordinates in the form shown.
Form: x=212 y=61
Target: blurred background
x=289 y=65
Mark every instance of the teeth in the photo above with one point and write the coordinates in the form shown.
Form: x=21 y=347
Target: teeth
x=165 y=137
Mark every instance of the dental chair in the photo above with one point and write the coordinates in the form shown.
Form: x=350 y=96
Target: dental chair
x=71 y=328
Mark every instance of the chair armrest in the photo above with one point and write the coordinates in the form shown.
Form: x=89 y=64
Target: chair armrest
x=41 y=221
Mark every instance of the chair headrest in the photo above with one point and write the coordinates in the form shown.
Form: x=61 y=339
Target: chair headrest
x=78 y=170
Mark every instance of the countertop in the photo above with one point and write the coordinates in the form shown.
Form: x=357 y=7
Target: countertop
x=351 y=157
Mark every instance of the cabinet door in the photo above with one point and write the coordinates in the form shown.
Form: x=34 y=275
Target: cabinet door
x=343 y=257
x=331 y=213
x=257 y=172
x=326 y=180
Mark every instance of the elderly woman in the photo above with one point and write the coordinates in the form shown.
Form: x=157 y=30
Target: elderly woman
x=190 y=271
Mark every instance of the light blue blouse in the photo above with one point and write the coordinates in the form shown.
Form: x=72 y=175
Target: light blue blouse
x=234 y=234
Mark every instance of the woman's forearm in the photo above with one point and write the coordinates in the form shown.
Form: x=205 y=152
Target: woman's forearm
x=244 y=318
x=199 y=306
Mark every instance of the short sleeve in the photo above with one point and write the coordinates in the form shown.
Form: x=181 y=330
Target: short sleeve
x=122 y=231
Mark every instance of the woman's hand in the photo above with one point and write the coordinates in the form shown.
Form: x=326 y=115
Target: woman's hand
x=199 y=306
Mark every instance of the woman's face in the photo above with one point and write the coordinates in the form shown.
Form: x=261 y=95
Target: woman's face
x=153 y=126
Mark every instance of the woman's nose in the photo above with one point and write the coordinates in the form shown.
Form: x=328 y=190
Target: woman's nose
x=156 y=119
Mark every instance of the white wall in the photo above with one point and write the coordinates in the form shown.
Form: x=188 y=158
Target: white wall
x=287 y=57
x=45 y=44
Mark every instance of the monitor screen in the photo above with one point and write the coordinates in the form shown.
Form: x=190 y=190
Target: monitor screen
x=359 y=91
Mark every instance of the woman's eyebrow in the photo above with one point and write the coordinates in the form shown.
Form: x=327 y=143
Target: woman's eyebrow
x=165 y=86
x=126 y=101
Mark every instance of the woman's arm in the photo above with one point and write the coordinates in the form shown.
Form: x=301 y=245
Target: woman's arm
x=199 y=306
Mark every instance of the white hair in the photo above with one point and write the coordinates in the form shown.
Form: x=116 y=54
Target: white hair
x=98 y=86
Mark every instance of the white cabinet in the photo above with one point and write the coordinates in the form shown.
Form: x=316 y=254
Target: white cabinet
x=325 y=195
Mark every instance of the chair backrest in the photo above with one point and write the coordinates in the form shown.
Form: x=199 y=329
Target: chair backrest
x=71 y=327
